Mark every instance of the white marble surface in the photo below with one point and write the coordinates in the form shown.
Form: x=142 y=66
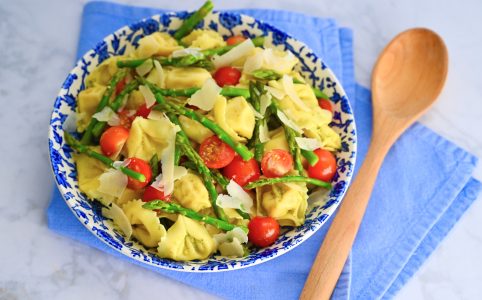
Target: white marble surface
x=38 y=41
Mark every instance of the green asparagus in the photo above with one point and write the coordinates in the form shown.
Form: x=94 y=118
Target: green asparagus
x=267 y=181
x=310 y=156
x=193 y=20
x=176 y=208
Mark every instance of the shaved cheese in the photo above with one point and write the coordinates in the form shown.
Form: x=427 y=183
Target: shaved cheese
x=148 y=96
x=115 y=213
x=156 y=115
x=230 y=243
x=178 y=173
x=257 y=115
x=264 y=102
x=254 y=62
x=275 y=93
x=263 y=133
x=120 y=163
x=145 y=68
x=206 y=96
x=290 y=91
x=234 y=54
x=167 y=162
x=107 y=115
x=280 y=62
x=196 y=52
x=237 y=198
x=70 y=123
x=308 y=143
x=284 y=119
x=112 y=183
x=160 y=74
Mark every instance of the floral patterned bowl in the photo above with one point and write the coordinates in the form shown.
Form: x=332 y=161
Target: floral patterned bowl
x=321 y=206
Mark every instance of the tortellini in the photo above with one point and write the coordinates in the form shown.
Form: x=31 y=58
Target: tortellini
x=285 y=202
x=135 y=100
x=270 y=59
x=88 y=172
x=183 y=78
x=194 y=130
x=277 y=141
x=204 y=39
x=148 y=137
x=146 y=226
x=104 y=72
x=235 y=116
x=158 y=43
x=87 y=102
x=190 y=192
x=330 y=140
x=186 y=240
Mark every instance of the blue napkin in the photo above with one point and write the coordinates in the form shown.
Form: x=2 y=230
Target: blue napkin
x=423 y=188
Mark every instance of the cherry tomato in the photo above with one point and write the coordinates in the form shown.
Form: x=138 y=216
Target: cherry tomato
x=276 y=163
x=151 y=193
x=227 y=76
x=143 y=111
x=113 y=139
x=126 y=118
x=325 y=104
x=140 y=166
x=325 y=168
x=263 y=231
x=120 y=86
x=215 y=153
x=242 y=171
x=234 y=40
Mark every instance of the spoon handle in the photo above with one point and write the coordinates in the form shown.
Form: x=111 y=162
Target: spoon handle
x=337 y=244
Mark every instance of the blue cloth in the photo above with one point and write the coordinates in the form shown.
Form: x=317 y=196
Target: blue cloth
x=423 y=188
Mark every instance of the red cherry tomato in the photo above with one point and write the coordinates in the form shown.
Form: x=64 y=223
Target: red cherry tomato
x=325 y=104
x=151 y=193
x=215 y=153
x=234 y=40
x=120 y=86
x=276 y=163
x=227 y=76
x=242 y=171
x=113 y=139
x=143 y=111
x=325 y=168
x=140 y=166
x=263 y=231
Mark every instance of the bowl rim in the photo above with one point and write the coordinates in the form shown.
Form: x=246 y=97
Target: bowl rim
x=284 y=250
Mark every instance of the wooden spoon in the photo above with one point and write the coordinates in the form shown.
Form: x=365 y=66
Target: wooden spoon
x=406 y=80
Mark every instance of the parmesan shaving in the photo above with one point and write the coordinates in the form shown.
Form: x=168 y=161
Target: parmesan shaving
x=234 y=54
x=206 y=96
x=167 y=162
x=289 y=88
x=148 y=96
x=196 y=52
x=70 y=123
x=230 y=243
x=284 y=119
x=160 y=74
x=156 y=115
x=145 y=68
x=179 y=172
x=107 y=115
x=120 y=163
x=112 y=183
x=254 y=62
x=264 y=102
x=275 y=93
x=308 y=143
x=263 y=133
x=115 y=213
x=257 y=115
x=237 y=198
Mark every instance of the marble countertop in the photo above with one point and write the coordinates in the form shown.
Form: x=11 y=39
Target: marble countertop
x=39 y=40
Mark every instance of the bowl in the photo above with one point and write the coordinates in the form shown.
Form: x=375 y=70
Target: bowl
x=314 y=70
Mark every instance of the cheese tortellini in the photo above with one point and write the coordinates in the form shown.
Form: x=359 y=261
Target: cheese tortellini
x=186 y=240
x=194 y=130
x=146 y=226
x=190 y=192
x=88 y=173
x=148 y=137
x=183 y=78
x=87 y=103
x=158 y=43
x=204 y=39
x=104 y=72
x=235 y=116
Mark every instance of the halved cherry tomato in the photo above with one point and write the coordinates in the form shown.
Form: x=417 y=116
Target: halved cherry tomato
x=276 y=163
x=242 y=171
x=126 y=118
x=151 y=193
x=140 y=166
x=325 y=168
x=113 y=139
x=234 y=40
x=263 y=231
x=325 y=104
x=143 y=111
x=215 y=153
x=120 y=86
x=227 y=76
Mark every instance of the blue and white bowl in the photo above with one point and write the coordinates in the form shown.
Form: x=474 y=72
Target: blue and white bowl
x=311 y=66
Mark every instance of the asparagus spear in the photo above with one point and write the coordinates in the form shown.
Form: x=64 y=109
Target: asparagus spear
x=154 y=164
x=266 y=181
x=175 y=208
x=193 y=20
x=104 y=101
x=75 y=144
x=223 y=135
x=310 y=156
x=255 y=90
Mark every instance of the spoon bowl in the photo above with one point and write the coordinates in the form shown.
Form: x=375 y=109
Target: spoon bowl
x=406 y=80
